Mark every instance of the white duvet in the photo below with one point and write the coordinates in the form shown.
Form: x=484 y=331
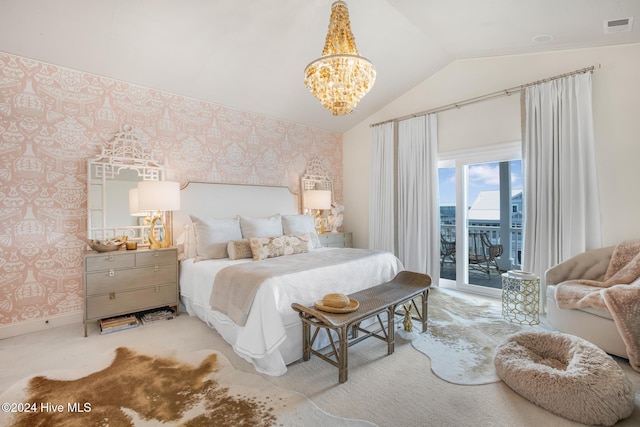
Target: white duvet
x=272 y=335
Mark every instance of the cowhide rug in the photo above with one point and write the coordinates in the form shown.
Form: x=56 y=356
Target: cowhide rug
x=463 y=333
x=142 y=389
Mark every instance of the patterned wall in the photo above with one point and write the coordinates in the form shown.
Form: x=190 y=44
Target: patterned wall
x=51 y=120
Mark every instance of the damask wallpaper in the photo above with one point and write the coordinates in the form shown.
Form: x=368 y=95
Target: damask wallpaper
x=52 y=120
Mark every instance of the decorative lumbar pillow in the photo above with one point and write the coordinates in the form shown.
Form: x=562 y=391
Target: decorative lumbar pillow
x=270 y=247
x=300 y=224
x=213 y=235
x=261 y=227
x=239 y=249
x=566 y=375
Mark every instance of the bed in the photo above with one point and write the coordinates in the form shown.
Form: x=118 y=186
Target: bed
x=213 y=236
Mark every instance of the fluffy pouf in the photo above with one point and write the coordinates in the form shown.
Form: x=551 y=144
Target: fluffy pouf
x=565 y=375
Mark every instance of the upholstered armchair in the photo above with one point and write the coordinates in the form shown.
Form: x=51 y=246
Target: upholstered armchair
x=589 y=323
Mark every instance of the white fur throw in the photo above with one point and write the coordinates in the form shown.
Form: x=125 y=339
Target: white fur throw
x=618 y=293
x=566 y=375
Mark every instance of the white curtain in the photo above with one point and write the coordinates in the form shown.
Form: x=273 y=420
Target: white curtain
x=418 y=214
x=381 y=192
x=562 y=209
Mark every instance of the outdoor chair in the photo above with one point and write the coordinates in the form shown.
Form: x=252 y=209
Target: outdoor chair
x=483 y=253
x=447 y=250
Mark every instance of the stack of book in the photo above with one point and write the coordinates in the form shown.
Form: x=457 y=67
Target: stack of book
x=156 y=315
x=115 y=324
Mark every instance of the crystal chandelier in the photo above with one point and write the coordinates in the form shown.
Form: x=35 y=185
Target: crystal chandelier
x=341 y=77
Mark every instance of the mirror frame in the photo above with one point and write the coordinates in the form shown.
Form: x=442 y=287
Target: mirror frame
x=126 y=150
x=316 y=178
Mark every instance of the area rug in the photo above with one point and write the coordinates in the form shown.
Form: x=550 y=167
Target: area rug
x=147 y=389
x=463 y=333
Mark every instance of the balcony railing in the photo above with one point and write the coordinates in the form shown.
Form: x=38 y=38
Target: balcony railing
x=514 y=257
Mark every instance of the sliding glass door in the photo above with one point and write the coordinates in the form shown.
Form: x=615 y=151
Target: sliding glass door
x=482 y=239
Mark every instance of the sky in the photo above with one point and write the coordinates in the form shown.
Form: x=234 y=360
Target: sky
x=482 y=176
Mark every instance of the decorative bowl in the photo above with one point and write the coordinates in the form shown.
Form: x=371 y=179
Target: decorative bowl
x=107 y=245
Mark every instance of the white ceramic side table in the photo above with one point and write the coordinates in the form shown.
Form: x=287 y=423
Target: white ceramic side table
x=521 y=297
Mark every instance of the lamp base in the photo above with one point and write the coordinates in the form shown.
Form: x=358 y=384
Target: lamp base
x=166 y=236
x=319 y=221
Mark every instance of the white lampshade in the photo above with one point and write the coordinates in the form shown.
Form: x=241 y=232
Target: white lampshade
x=158 y=196
x=133 y=203
x=317 y=199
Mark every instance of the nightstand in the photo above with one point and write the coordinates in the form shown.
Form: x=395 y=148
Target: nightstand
x=123 y=282
x=335 y=240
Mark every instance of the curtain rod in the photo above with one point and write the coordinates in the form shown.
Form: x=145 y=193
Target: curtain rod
x=498 y=94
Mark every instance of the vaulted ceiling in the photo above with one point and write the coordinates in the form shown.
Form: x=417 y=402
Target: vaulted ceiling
x=251 y=54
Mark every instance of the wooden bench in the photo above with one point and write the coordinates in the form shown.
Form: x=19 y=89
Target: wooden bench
x=386 y=297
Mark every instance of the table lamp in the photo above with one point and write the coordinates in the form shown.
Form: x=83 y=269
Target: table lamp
x=317 y=201
x=158 y=197
x=134 y=209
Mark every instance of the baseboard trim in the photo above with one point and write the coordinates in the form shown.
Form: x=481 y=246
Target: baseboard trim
x=37 y=325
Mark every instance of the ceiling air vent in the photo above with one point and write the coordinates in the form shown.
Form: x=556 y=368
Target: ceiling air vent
x=618 y=25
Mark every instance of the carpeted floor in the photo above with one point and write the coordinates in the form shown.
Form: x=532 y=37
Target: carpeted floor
x=386 y=390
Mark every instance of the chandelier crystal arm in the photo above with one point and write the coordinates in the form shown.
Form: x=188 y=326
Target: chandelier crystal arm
x=340 y=39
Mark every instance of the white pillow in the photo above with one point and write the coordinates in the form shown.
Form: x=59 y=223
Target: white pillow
x=261 y=227
x=212 y=236
x=301 y=224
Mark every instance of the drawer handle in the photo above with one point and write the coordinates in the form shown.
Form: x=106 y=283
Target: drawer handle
x=111 y=257
x=112 y=273
x=156 y=254
x=156 y=268
x=112 y=295
x=157 y=288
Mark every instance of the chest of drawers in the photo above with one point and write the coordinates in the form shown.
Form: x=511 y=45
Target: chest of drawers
x=335 y=240
x=123 y=282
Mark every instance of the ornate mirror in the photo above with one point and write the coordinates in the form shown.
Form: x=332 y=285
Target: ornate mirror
x=316 y=177
x=125 y=160
x=317 y=194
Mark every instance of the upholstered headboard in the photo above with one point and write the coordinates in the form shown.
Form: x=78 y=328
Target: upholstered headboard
x=207 y=200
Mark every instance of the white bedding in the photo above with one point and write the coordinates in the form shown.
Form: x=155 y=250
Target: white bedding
x=272 y=335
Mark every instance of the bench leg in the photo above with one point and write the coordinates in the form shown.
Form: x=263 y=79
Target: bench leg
x=391 y=330
x=343 y=362
x=306 y=341
x=425 y=298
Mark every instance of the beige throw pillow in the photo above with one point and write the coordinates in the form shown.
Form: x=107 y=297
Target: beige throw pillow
x=239 y=249
x=270 y=247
